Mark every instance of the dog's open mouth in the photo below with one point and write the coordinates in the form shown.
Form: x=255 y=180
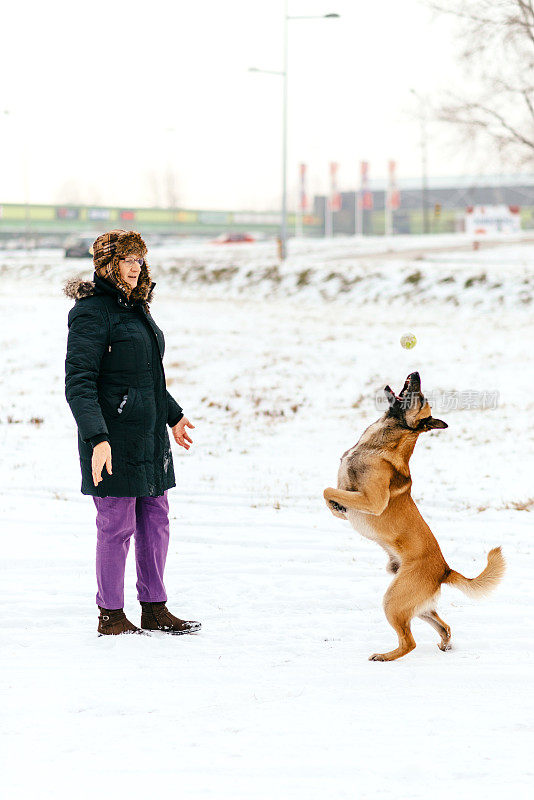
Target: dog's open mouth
x=337 y=507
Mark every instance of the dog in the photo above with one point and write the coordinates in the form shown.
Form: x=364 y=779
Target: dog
x=374 y=495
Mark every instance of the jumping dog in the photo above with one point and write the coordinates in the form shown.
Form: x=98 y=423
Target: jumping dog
x=374 y=495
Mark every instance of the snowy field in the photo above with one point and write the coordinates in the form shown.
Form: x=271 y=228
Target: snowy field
x=279 y=369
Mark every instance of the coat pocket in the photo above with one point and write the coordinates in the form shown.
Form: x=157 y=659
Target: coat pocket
x=127 y=405
x=118 y=406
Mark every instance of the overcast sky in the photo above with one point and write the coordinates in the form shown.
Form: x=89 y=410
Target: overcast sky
x=131 y=103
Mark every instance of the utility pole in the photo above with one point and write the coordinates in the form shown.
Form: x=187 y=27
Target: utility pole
x=283 y=225
x=424 y=160
x=283 y=73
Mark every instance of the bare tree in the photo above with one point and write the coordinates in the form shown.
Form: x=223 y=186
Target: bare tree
x=171 y=187
x=152 y=182
x=162 y=188
x=70 y=192
x=496 y=103
x=94 y=194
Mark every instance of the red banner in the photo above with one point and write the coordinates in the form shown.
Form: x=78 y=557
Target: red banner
x=366 y=196
x=303 y=197
x=335 y=197
x=393 y=194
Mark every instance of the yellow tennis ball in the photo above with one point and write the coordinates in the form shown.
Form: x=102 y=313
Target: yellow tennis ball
x=408 y=341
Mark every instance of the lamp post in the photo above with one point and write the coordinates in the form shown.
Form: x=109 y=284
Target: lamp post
x=424 y=159
x=283 y=73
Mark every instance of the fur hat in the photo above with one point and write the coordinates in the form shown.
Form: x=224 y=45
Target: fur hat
x=109 y=248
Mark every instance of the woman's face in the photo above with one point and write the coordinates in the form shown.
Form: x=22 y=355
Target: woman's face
x=130 y=268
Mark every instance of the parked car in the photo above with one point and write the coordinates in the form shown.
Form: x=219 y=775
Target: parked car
x=80 y=246
x=234 y=238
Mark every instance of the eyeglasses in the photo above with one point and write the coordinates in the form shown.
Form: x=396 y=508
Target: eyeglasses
x=132 y=261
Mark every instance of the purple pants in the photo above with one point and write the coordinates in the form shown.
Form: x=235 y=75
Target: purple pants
x=117 y=518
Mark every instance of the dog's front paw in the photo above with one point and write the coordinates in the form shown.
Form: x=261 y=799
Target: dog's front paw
x=445 y=646
x=338 y=507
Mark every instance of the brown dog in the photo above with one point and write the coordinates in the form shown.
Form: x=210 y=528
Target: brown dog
x=374 y=494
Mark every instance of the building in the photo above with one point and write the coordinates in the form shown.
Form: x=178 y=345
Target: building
x=446 y=201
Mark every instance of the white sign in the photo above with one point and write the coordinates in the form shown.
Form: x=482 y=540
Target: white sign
x=259 y=218
x=485 y=220
x=98 y=213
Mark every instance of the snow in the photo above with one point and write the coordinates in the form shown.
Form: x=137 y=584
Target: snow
x=276 y=696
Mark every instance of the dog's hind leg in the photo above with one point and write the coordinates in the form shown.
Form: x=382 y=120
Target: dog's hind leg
x=399 y=612
x=406 y=641
x=440 y=626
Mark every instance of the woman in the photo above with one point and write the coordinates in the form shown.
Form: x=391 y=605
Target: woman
x=115 y=386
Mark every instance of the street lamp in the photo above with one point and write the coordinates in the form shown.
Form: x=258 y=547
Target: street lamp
x=424 y=159
x=283 y=73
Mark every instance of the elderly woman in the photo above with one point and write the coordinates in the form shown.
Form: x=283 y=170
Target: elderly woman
x=115 y=386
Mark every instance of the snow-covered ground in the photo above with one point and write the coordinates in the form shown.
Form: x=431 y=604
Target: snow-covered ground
x=276 y=697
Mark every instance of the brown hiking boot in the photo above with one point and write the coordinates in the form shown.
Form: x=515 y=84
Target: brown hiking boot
x=157 y=617
x=114 y=622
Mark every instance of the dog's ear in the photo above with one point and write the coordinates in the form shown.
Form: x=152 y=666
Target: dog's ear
x=391 y=396
x=431 y=423
x=405 y=387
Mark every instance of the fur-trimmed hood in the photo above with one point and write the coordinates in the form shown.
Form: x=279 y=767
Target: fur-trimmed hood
x=78 y=289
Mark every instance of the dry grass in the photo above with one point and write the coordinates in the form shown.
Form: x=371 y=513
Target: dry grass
x=520 y=505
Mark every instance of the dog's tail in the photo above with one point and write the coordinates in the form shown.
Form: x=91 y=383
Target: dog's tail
x=484 y=583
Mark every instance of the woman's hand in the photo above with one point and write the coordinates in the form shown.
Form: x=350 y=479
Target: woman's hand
x=101 y=456
x=180 y=434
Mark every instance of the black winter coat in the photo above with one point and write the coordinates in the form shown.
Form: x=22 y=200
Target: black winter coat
x=115 y=349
